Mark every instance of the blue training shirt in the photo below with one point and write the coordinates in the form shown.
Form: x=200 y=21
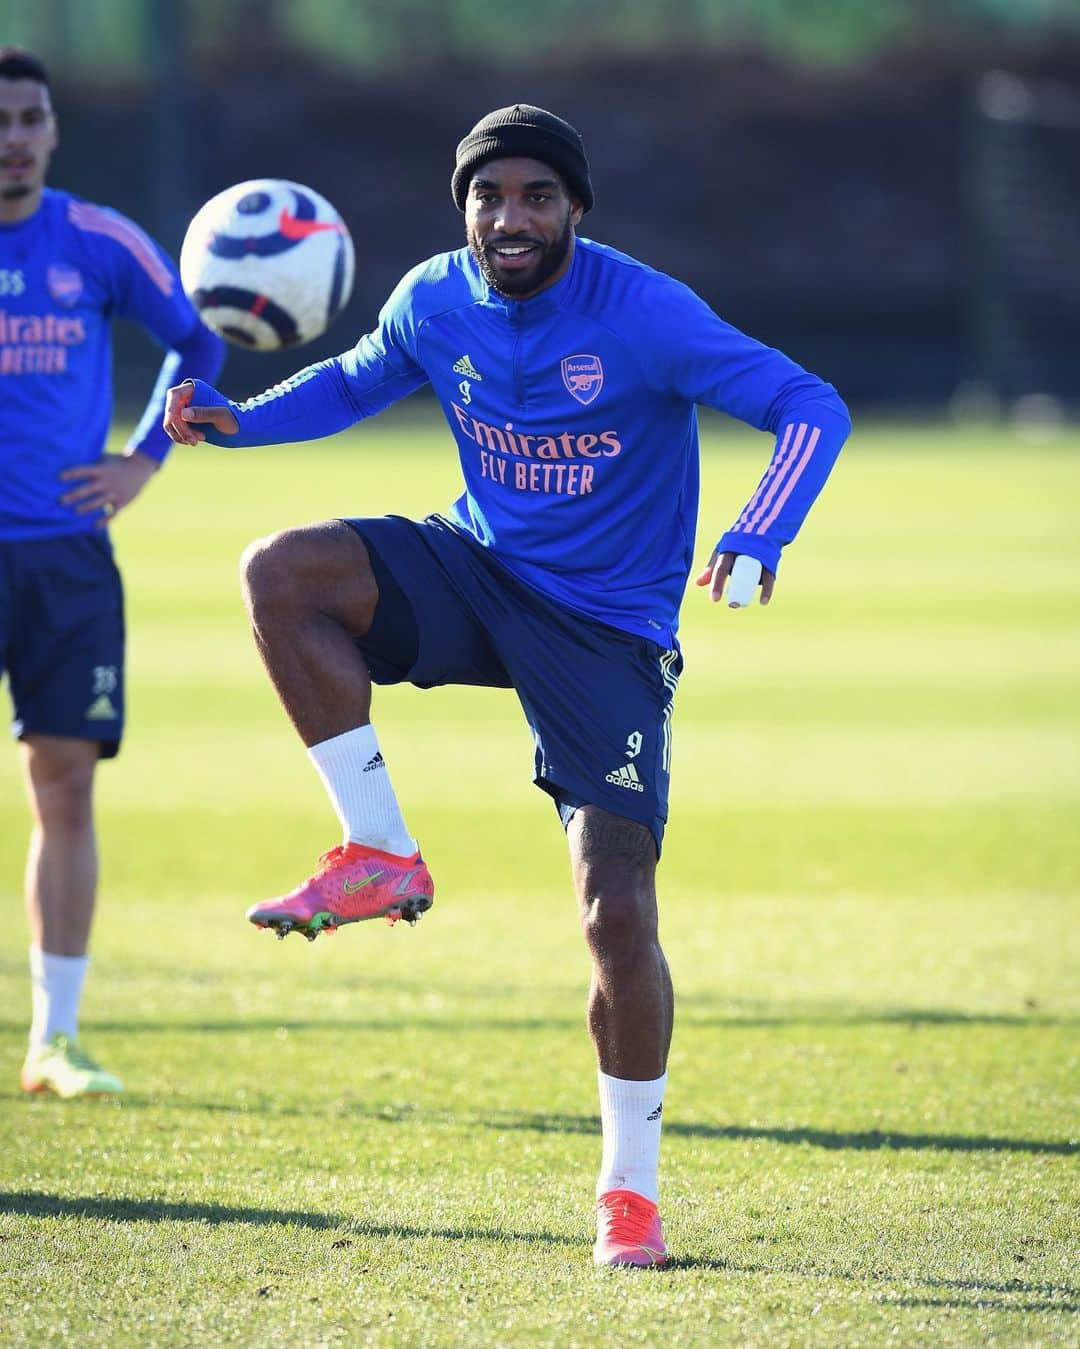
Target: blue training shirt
x=65 y=274
x=574 y=414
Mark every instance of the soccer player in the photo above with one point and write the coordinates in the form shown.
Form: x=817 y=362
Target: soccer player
x=569 y=375
x=67 y=269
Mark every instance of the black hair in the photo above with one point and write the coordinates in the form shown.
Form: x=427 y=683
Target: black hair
x=16 y=63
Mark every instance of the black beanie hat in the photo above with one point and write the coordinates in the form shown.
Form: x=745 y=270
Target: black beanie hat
x=531 y=133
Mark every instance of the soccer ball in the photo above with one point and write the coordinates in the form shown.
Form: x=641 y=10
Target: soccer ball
x=268 y=264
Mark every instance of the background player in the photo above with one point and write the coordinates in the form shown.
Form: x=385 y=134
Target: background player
x=67 y=269
x=569 y=375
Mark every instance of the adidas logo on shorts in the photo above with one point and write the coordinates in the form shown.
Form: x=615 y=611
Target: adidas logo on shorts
x=627 y=777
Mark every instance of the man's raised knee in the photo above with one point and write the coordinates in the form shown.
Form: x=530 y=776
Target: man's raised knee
x=323 y=568
x=264 y=566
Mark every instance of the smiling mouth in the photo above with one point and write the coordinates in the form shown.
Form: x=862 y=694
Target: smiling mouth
x=511 y=254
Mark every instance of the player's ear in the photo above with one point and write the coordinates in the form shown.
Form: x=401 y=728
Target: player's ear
x=577 y=211
x=54 y=126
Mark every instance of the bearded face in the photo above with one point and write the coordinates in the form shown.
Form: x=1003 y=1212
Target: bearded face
x=519 y=223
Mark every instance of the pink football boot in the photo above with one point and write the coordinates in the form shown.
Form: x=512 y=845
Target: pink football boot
x=352 y=883
x=628 y=1230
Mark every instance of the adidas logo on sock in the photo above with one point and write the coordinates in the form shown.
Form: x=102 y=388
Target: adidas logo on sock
x=377 y=762
x=465 y=367
x=625 y=776
x=657 y=1112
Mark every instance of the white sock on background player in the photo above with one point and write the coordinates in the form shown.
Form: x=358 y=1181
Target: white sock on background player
x=354 y=773
x=56 y=984
x=631 y=1114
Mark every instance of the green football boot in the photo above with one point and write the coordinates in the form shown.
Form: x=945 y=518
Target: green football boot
x=61 y=1066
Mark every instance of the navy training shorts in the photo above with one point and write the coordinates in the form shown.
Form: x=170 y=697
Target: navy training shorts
x=62 y=637
x=598 y=700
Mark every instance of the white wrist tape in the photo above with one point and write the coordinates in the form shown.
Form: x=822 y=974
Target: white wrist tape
x=743 y=581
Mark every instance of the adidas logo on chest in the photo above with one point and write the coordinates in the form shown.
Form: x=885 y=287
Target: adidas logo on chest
x=464 y=366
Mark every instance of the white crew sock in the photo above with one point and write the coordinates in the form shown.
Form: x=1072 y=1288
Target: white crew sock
x=56 y=991
x=354 y=773
x=630 y=1116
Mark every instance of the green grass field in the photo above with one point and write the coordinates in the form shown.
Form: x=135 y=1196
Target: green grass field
x=391 y=1137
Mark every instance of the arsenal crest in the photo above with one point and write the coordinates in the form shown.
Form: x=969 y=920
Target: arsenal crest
x=65 y=283
x=583 y=377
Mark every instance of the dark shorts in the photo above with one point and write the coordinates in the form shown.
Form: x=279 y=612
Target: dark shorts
x=598 y=700
x=62 y=637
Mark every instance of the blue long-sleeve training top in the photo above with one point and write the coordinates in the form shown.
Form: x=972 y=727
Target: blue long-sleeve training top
x=574 y=414
x=65 y=274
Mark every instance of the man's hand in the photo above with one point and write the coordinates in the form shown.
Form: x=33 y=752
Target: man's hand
x=109 y=485
x=180 y=416
x=718 y=571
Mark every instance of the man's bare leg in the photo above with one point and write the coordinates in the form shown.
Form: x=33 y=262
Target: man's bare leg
x=630 y=1014
x=311 y=593
x=60 y=892
x=631 y=1003
x=62 y=865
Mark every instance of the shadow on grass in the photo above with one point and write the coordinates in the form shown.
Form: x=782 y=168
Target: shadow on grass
x=745 y=1016
x=836 y=1140
x=870 y=1140
x=243 y=1025
x=695 y=1012
x=888 y=1140
x=38 y=1205
x=32 y=1204
x=980 y=1304
x=1009 y=1286
x=978 y=1287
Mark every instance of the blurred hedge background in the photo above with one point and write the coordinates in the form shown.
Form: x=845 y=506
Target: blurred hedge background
x=888 y=191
